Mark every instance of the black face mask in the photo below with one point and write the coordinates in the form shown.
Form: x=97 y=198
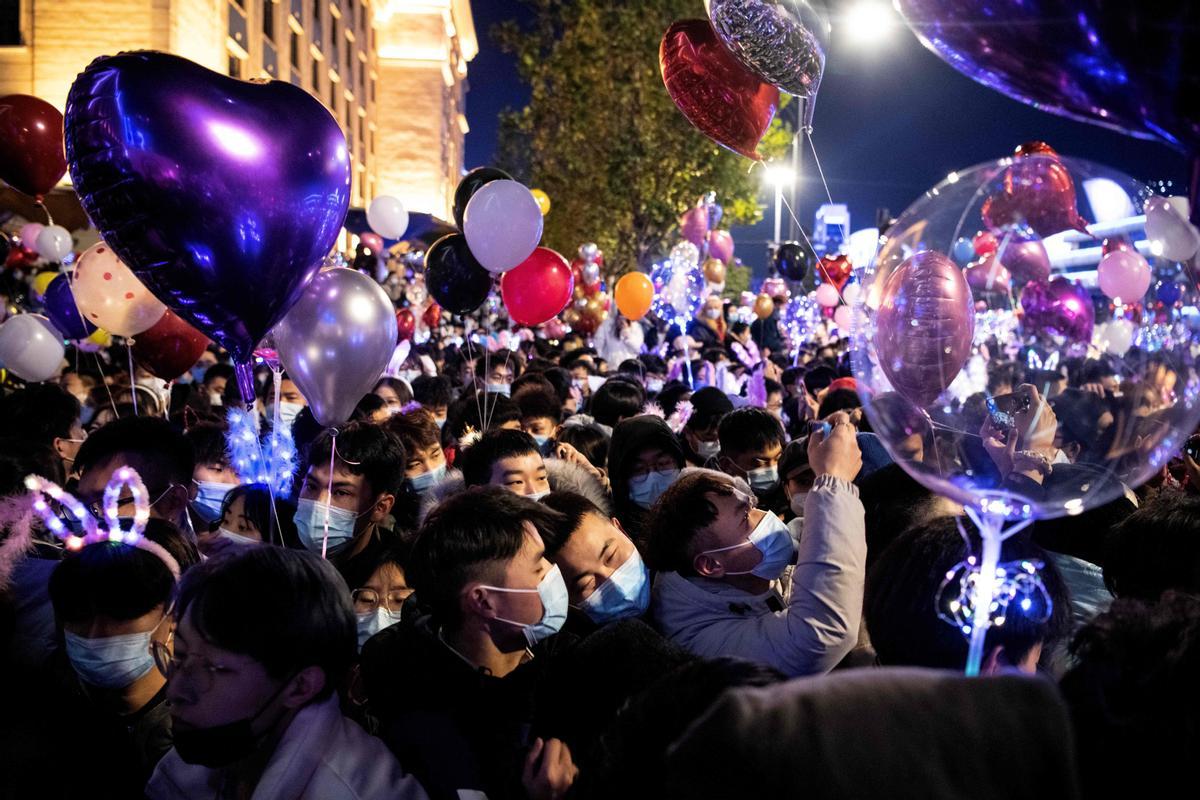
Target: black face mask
x=222 y=745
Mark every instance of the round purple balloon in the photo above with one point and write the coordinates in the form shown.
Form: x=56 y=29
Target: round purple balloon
x=1059 y=307
x=693 y=225
x=222 y=196
x=1025 y=257
x=62 y=311
x=924 y=326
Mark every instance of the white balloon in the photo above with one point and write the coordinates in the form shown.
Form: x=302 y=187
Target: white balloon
x=827 y=295
x=1167 y=224
x=843 y=317
x=110 y=295
x=30 y=347
x=850 y=293
x=503 y=225
x=1115 y=336
x=54 y=243
x=387 y=217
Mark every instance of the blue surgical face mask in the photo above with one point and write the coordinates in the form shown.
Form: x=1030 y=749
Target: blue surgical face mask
x=198 y=372
x=210 y=496
x=541 y=440
x=499 y=388
x=537 y=496
x=553 y=593
x=440 y=422
x=310 y=525
x=764 y=479
x=427 y=480
x=111 y=662
x=288 y=413
x=707 y=450
x=626 y=593
x=372 y=622
x=645 y=490
x=772 y=538
x=237 y=538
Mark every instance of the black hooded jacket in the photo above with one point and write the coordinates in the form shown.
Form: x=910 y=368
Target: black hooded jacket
x=629 y=439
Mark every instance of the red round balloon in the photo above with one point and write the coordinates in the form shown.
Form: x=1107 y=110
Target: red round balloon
x=432 y=316
x=406 y=324
x=836 y=269
x=538 y=288
x=985 y=243
x=170 y=348
x=721 y=98
x=32 y=158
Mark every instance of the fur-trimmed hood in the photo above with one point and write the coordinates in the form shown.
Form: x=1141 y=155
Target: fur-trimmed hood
x=564 y=477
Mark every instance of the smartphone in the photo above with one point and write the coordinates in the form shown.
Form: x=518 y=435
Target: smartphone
x=1002 y=409
x=1192 y=448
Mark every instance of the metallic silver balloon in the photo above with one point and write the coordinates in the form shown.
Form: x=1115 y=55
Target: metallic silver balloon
x=782 y=41
x=336 y=341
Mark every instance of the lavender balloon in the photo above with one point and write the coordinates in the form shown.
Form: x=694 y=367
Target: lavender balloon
x=336 y=341
x=1025 y=257
x=924 y=326
x=1059 y=307
x=222 y=196
x=782 y=41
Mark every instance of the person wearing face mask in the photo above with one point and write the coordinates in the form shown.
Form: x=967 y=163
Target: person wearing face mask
x=541 y=414
x=495 y=372
x=605 y=576
x=291 y=401
x=433 y=393
x=426 y=467
x=45 y=414
x=644 y=458
x=491 y=639
x=709 y=326
x=216 y=379
x=716 y=555
x=248 y=520
x=380 y=591
x=751 y=443
x=699 y=437
x=113 y=601
x=258 y=715
x=343 y=516
x=212 y=478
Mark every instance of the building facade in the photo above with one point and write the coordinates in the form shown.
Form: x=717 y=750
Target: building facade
x=392 y=72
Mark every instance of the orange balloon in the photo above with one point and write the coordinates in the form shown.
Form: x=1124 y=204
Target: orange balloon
x=763 y=306
x=714 y=270
x=634 y=293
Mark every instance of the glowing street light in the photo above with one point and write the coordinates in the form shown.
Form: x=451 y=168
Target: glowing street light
x=780 y=176
x=868 y=22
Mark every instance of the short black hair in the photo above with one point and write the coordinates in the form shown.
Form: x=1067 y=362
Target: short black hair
x=893 y=502
x=431 y=391
x=208 y=443
x=480 y=411
x=1156 y=548
x=302 y=611
x=772 y=386
x=678 y=515
x=256 y=506
x=652 y=362
x=466 y=534
x=219 y=370
x=573 y=508
x=589 y=440
x=476 y=461
x=561 y=380
x=367 y=405
x=818 y=378
x=838 y=400
x=489 y=361
x=118 y=580
x=749 y=430
x=415 y=429
x=22 y=457
x=365 y=449
x=617 y=399
x=900 y=603
x=154 y=448
x=539 y=403
x=41 y=412
x=359 y=570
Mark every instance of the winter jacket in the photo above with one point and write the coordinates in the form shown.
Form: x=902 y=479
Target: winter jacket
x=322 y=756
x=564 y=477
x=819 y=623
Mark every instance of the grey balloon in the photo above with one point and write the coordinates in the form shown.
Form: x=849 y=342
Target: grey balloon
x=336 y=341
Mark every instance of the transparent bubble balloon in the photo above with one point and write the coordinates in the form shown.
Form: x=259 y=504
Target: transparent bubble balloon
x=1020 y=383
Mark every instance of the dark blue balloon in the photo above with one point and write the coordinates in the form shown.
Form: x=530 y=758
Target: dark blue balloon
x=1169 y=292
x=222 y=196
x=59 y=301
x=455 y=279
x=963 y=251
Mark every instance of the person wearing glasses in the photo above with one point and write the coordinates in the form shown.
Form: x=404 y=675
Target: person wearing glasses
x=380 y=589
x=113 y=603
x=253 y=699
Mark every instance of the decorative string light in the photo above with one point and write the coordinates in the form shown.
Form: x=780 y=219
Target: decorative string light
x=272 y=462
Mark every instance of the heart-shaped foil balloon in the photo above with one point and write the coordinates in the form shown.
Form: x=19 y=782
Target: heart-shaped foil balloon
x=223 y=196
x=836 y=269
x=1037 y=191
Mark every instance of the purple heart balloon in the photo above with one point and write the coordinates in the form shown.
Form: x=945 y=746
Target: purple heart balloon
x=222 y=196
x=1058 y=307
x=1130 y=65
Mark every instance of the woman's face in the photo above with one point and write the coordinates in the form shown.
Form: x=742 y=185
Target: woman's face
x=235 y=520
x=388 y=395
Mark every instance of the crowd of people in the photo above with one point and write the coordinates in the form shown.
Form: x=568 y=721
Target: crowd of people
x=539 y=573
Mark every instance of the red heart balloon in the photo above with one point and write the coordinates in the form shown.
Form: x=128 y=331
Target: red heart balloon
x=170 y=347
x=836 y=269
x=1036 y=190
x=32 y=159
x=406 y=324
x=721 y=98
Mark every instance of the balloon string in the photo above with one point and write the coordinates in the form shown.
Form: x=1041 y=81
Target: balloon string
x=329 y=490
x=275 y=526
x=821 y=173
x=132 y=375
x=46 y=209
x=107 y=388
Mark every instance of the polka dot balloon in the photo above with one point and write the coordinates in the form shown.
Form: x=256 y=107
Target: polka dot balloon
x=110 y=297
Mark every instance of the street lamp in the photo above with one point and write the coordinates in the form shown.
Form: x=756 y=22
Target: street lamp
x=868 y=22
x=780 y=176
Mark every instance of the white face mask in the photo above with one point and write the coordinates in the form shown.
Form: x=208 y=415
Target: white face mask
x=707 y=450
x=797 y=503
x=712 y=313
x=236 y=538
x=288 y=413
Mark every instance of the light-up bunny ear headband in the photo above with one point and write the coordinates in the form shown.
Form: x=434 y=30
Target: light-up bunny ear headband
x=125 y=477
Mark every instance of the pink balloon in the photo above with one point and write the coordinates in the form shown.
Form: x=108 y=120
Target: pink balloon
x=1025 y=257
x=925 y=326
x=987 y=274
x=1060 y=307
x=538 y=288
x=693 y=225
x=29 y=233
x=827 y=295
x=1124 y=274
x=842 y=317
x=372 y=240
x=720 y=245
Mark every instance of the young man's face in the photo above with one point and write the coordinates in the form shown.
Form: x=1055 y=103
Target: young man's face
x=499 y=374
x=105 y=627
x=590 y=556
x=167 y=500
x=736 y=518
x=288 y=393
x=350 y=492
x=652 y=459
x=539 y=426
x=524 y=474
x=424 y=460
x=524 y=571
x=775 y=405
x=439 y=414
x=749 y=460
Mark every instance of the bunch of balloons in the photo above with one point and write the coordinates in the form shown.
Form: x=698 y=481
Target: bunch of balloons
x=679 y=284
x=590 y=302
x=725 y=72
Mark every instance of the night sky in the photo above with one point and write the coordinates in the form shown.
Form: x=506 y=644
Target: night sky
x=890 y=123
